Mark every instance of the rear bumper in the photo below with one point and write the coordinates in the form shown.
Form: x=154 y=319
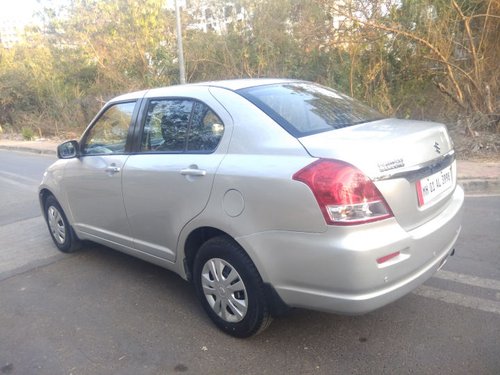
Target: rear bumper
x=336 y=271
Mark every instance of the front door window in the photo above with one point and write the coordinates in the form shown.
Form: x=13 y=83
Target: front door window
x=109 y=133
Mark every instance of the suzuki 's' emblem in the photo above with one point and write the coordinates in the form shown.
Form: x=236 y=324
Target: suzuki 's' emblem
x=437 y=147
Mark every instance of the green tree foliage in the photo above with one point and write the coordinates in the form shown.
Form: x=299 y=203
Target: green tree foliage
x=448 y=45
x=32 y=91
x=128 y=43
x=86 y=52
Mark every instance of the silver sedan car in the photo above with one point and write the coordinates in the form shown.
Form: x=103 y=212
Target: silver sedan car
x=264 y=193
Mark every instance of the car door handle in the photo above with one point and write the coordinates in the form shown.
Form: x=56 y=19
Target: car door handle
x=112 y=169
x=193 y=172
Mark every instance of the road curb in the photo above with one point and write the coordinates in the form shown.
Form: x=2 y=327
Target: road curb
x=480 y=186
x=28 y=149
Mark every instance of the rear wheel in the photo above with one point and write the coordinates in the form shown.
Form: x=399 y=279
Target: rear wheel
x=230 y=288
x=61 y=232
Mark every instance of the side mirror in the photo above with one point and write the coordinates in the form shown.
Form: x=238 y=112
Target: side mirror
x=68 y=150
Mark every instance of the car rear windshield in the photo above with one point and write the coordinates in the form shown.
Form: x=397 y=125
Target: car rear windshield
x=305 y=108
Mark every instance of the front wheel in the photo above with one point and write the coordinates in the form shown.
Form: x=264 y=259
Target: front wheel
x=61 y=232
x=230 y=288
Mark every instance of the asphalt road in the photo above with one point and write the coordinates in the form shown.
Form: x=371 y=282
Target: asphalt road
x=102 y=312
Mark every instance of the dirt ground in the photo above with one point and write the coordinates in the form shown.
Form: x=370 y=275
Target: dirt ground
x=481 y=146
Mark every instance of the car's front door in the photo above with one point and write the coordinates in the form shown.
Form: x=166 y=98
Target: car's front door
x=169 y=180
x=93 y=180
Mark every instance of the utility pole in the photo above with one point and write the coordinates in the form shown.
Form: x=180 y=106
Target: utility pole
x=180 y=51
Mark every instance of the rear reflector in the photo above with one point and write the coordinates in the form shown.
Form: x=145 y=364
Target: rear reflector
x=387 y=257
x=345 y=195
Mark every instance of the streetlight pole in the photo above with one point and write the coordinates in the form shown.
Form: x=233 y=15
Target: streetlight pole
x=180 y=51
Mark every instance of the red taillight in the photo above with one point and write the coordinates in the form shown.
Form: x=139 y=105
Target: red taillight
x=345 y=195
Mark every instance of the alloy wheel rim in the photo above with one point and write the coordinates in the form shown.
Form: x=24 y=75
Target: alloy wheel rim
x=56 y=225
x=224 y=290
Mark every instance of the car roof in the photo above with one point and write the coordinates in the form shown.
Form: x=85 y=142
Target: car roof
x=237 y=84
x=230 y=84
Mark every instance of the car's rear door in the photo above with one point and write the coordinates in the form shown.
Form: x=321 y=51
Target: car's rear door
x=168 y=180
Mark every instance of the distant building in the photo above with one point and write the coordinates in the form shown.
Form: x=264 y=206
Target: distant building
x=209 y=16
x=11 y=32
x=212 y=15
x=221 y=16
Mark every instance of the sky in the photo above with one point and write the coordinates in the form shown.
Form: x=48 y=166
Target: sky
x=18 y=10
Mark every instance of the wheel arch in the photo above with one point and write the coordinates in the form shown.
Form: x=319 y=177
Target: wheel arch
x=43 y=194
x=202 y=234
x=193 y=243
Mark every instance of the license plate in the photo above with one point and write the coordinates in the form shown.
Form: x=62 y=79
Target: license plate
x=429 y=188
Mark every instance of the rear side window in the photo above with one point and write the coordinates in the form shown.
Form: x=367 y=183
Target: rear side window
x=305 y=108
x=166 y=125
x=206 y=129
x=180 y=125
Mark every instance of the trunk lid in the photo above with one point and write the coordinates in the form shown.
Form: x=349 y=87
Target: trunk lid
x=402 y=157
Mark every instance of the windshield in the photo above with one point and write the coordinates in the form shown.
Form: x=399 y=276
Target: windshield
x=306 y=108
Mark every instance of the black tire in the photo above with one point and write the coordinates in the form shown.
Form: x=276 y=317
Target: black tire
x=226 y=307
x=59 y=228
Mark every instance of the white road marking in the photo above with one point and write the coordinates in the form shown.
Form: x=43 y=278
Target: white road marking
x=468 y=279
x=16 y=183
x=458 y=299
x=21 y=177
